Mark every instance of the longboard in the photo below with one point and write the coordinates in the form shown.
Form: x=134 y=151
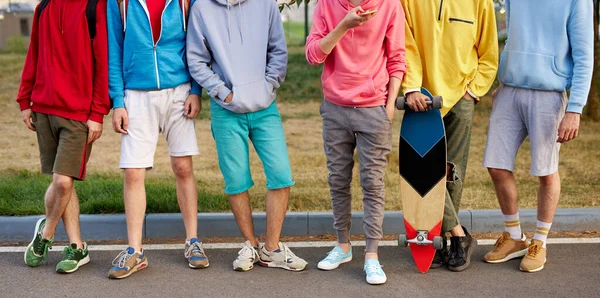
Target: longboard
x=422 y=179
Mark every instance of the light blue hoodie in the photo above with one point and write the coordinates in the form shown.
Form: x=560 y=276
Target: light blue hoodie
x=134 y=61
x=550 y=46
x=237 y=47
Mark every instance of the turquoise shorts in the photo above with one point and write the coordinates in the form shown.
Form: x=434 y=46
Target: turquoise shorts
x=232 y=131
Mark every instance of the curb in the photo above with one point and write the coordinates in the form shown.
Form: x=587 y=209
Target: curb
x=170 y=225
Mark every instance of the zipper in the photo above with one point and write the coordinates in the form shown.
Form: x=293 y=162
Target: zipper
x=143 y=3
x=440 y=13
x=461 y=20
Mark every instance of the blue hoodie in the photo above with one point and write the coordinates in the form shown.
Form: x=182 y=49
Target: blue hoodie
x=237 y=47
x=134 y=61
x=550 y=46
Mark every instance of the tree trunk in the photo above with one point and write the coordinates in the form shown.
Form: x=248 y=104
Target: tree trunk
x=592 y=110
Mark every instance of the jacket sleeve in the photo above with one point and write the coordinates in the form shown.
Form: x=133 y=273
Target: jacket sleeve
x=277 y=54
x=114 y=24
x=487 y=51
x=314 y=53
x=100 y=98
x=580 y=29
x=196 y=89
x=394 y=44
x=199 y=58
x=29 y=69
x=413 y=78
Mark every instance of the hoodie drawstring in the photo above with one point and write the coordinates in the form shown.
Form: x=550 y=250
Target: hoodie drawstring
x=228 y=22
x=241 y=21
x=183 y=2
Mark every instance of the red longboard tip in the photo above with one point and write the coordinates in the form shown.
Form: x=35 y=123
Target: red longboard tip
x=422 y=254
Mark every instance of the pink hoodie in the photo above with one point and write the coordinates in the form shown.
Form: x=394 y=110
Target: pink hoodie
x=357 y=71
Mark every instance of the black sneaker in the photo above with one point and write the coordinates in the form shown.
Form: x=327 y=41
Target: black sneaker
x=461 y=249
x=441 y=256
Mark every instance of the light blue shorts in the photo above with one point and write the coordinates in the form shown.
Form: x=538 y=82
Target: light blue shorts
x=232 y=131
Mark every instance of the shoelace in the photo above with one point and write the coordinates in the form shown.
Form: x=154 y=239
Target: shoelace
x=534 y=250
x=195 y=248
x=69 y=253
x=333 y=255
x=39 y=248
x=373 y=269
x=121 y=259
x=247 y=252
x=500 y=242
x=288 y=254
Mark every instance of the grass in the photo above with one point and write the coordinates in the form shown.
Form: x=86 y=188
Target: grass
x=22 y=189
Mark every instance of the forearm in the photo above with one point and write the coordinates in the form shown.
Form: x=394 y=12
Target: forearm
x=393 y=90
x=330 y=40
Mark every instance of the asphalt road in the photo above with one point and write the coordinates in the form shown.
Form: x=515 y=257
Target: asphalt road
x=573 y=270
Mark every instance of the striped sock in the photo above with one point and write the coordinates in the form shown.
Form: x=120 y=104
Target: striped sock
x=512 y=225
x=541 y=232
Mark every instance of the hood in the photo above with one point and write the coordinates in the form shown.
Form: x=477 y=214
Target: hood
x=366 y=5
x=225 y=2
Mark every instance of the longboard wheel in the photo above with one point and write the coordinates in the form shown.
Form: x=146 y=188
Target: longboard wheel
x=436 y=102
x=402 y=240
x=401 y=103
x=438 y=242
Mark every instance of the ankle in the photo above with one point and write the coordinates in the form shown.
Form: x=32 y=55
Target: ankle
x=345 y=247
x=46 y=235
x=458 y=231
x=371 y=256
x=268 y=246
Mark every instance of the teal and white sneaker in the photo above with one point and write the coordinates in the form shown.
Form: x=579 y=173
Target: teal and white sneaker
x=334 y=258
x=37 y=250
x=375 y=275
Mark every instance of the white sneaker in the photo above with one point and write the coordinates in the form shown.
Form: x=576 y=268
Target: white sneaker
x=282 y=257
x=375 y=275
x=246 y=259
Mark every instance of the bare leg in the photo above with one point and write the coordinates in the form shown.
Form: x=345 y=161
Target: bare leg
x=277 y=203
x=240 y=205
x=57 y=198
x=71 y=220
x=134 y=194
x=548 y=194
x=187 y=194
x=506 y=190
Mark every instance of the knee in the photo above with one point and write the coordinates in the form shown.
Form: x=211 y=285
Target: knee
x=371 y=183
x=338 y=181
x=549 y=180
x=62 y=183
x=183 y=169
x=134 y=176
x=499 y=174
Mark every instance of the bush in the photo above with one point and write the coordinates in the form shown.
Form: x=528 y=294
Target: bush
x=16 y=45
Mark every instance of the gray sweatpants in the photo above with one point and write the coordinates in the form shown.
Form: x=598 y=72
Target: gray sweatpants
x=518 y=113
x=369 y=130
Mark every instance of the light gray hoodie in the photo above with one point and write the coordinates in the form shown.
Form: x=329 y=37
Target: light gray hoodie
x=237 y=47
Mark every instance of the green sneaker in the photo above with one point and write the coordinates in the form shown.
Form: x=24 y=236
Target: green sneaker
x=37 y=250
x=73 y=258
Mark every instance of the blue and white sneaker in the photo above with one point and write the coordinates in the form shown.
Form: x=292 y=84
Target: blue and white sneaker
x=375 y=275
x=195 y=255
x=334 y=258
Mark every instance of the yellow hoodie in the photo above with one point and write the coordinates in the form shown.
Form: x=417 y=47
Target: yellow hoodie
x=451 y=48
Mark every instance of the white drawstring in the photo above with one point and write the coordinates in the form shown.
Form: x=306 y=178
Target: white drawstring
x=241 y=21
x=228 y=23
x=124 y=15
x=183 y=13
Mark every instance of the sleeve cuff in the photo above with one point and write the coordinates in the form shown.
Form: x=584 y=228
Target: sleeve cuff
x=397 y=74
x=472 y=94
x=574 y=108
x=408 y=91
x=96 y=117
x=118 y=102
x=24 y=105
x=223 y=93
x=196 y=89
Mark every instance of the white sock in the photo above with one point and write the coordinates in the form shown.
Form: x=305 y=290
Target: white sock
x=512 y=225
x=541 y=232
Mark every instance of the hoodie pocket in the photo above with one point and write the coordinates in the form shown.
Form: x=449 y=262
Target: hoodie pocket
x=343 y=85
x=251 y=97
x=529 y=70
x=141 y=69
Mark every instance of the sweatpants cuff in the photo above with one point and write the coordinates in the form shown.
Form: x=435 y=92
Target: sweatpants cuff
x=343 y=236
x=372 y=245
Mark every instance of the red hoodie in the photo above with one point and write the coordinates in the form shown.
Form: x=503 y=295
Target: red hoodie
x=66 y=74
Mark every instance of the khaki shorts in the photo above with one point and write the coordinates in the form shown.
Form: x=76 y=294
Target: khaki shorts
x=63 y=145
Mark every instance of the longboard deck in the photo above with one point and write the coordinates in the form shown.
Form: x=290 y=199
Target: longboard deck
x=423 y=178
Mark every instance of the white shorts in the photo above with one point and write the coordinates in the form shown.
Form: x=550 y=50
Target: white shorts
x=151 y=113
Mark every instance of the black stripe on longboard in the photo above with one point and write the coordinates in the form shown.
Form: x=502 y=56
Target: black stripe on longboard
x=423 y=173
